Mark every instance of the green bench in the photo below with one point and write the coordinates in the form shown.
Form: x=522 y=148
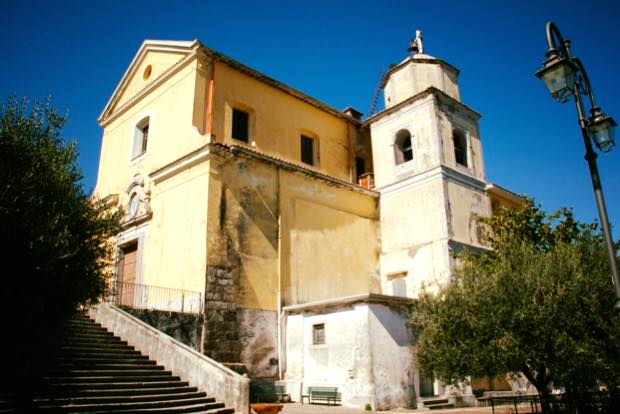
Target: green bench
x=268 y=392
x=330 y=395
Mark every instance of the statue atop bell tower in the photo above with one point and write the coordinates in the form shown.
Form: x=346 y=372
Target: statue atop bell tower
x=415 y=45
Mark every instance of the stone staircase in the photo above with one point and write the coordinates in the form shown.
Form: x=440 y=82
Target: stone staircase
x=94 y=371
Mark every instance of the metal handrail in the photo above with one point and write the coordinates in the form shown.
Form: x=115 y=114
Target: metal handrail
x=140 y=296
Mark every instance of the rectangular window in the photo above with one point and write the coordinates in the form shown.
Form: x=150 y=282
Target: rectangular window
x=307 y=150
x=399 y=287
x=240 y=125
x=141 y=138
x=359 y=167
x=318 y=334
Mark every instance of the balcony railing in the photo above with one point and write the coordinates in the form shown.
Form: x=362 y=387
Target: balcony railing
x=140 y=296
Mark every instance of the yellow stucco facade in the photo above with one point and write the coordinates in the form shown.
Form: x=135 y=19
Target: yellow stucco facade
x=273 y=209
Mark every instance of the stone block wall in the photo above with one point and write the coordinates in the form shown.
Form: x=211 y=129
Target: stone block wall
x=221 y=333
x=184 y=327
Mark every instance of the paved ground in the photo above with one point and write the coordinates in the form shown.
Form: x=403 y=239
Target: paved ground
x=296 y=408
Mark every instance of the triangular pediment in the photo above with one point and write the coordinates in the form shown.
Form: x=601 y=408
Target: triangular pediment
x=153 y=59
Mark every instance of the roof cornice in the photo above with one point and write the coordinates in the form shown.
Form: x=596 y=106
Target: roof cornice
x=413 y=59
x=431 y=90
x=348 y=301
x=218 y=147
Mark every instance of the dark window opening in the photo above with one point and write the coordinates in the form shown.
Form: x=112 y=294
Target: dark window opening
x=360 y=167
x=460 y=147
x=403 y=147
x=307 y=150
x=141 y=138
x=318 y=334
x=145 y=137
x=240 y=125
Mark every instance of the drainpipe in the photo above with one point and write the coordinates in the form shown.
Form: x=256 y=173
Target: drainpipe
x=351 y=155
x=279 y=296
x=210 y=97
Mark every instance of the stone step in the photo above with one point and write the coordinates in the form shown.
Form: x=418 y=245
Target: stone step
x=97 y=347
x=88 y=332
x=64 y=392
x=70 y=369
x=108 y=359
x=103 y=399
x=82 y=322
x=113 y=373
x=445 y=406
x=196 y=403
x=114 y=386
x=110 y=379
x=435 y=401
x=92 y=342
x=82 y=352
x=197 y=409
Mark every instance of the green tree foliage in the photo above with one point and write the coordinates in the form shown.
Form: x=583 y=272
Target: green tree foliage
x=55 y=239
x=541 y=303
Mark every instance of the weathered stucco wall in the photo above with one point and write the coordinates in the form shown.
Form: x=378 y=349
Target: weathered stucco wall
x=269 y=226
x=414 y=229
x=257 y=336
x=415 y=76
x=366 y=354
x=343 y=361
x=337 y=225
x=243 y=213
x=175 y=250
x=421 y=122
x=277 y=121
x=467 y=204
x=272 y=225
x=395 y=372
x=451 y=116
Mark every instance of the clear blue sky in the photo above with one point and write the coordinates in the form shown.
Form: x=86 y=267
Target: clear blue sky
x=77 y=51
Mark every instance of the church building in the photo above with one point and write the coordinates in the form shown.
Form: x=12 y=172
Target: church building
x=301 y=233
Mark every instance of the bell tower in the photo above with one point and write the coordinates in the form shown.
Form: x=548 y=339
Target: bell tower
x=429 y=170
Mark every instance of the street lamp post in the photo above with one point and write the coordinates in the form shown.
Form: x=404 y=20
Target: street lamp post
x=564 y=75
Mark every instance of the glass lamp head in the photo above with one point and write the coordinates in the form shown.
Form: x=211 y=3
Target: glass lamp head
x=601 y=130
x=558 y=74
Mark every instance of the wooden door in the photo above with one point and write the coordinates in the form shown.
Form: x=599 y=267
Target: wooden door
x=127 y=275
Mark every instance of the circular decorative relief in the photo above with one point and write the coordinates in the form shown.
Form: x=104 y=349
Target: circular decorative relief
x=147 y=72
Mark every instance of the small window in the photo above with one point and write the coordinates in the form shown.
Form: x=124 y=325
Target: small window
x=399 y=287
x=318 y=334
x=240 y=125
x=460 y=147
x=360 y=167
x=307 y=150
x=402 y=146
x=141 y=138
